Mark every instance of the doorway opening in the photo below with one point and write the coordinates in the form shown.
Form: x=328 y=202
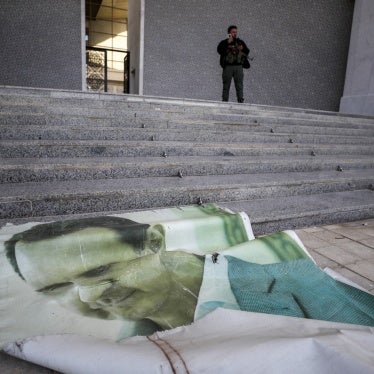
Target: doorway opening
x=107 y=54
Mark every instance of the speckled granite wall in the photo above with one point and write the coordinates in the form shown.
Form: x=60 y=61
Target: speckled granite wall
x=41 y=43
x=300 y=49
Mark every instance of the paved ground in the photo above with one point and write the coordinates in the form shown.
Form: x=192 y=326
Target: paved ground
x=346 y=248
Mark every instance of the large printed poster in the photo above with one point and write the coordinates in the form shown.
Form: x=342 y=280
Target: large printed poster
x=112 y=276
x=140 y=273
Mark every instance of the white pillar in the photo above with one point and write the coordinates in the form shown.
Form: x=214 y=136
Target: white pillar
x=358 y=97
x=135 y=44
x=141 y=48
x=83 y=44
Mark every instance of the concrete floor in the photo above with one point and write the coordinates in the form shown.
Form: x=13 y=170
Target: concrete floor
x=346 y=248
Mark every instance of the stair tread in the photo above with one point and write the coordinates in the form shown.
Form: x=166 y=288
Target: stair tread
x=199 y=125
x=264 y=209
x=80 y=96
x=101 y=114
x=27 y=162
x=261 y=210
x=131 y=185
x=147 y=143
x=63 y=133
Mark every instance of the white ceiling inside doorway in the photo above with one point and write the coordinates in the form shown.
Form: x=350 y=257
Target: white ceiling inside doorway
x=105 y=10
x=113 y=9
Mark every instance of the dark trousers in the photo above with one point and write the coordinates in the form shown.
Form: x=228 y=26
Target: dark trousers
x=229 y=72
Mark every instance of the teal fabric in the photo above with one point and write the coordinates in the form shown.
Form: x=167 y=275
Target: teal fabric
x=298 y=288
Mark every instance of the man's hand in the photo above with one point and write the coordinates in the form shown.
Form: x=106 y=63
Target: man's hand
x=230 y=39
x=240 y=47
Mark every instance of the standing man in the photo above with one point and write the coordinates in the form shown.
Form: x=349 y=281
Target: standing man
x=232 y=51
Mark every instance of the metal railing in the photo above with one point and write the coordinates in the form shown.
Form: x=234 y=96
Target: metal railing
x=97 y=69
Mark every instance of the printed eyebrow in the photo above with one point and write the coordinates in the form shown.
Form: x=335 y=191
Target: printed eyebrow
x=96 y=272
x=53 y=287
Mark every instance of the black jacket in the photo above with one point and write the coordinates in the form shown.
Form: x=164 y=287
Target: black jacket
x=224 y=48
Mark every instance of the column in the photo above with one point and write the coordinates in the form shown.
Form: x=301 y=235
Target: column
x=358 y=97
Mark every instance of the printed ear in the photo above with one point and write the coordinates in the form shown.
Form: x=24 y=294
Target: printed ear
x=160 y=229
x=155 y=238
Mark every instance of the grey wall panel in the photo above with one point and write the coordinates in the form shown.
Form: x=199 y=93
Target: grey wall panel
x=359 y=85
x=300 y=49
x=41 y=43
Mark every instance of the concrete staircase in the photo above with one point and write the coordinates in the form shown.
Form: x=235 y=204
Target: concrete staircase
x=69 y=153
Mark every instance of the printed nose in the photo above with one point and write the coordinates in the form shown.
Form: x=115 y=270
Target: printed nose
x=92 y=293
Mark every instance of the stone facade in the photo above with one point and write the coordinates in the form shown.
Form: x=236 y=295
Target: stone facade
x=300 y=49
x=359 y=85
x=41 y=43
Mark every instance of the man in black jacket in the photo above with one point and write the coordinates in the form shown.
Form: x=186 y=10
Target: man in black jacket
x=232 y=51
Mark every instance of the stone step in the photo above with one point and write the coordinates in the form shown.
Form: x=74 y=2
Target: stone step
x=147 y=129
x=20 y=170
x=65 y=115
x=111 y=148
x=12 y=132
x=78 y=98
x=70 y=197
x=273 y=214
x=71 y=152
x=9 y=129
x=83 y=102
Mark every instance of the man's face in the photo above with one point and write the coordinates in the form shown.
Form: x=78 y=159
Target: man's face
x=93 y=270
x=234 y=33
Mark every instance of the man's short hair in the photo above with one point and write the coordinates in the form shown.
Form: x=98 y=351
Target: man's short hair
x=230 y=28
x=130 y=232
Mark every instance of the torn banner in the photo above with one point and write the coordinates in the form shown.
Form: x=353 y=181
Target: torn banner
x=110 y=276
x=133 y=274
x=225 y=341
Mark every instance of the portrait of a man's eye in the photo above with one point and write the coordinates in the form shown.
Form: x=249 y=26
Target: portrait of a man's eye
x=55 y=287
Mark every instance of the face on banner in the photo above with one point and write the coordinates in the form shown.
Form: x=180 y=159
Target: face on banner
x=116 y=268
x=97 y=270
